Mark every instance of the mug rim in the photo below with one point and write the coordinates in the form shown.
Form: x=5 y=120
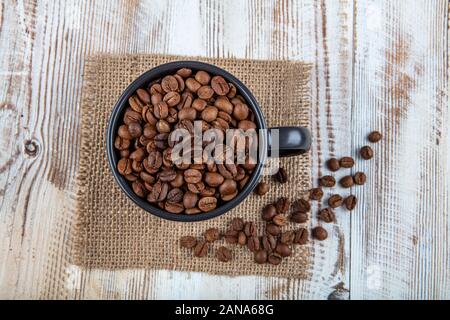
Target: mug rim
x=142 y=81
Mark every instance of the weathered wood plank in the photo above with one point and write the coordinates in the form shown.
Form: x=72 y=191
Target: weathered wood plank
x=400 y=233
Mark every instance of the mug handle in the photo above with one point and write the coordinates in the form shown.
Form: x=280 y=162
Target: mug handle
x=293 y=141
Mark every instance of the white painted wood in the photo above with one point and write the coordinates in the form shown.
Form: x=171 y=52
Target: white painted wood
x=43 y=45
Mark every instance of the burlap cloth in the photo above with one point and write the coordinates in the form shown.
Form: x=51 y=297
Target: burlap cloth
x=113 y=233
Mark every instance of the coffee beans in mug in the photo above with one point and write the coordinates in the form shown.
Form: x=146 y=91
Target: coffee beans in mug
x=143 y=142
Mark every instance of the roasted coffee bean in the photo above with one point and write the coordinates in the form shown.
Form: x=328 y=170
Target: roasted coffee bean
x=301 y=205
x=287 y=237
x=201 y=249
x=213 y=179
x=350 y=202
x=335 y=201
x=299 y=217
x=175 y=195
x=192 y=211
x=146 y=177
x=172 y=99
x=202 y=77
x=205 y=92
x=250 y=229
x=316 y=194
x=207 y=204
x=242 y=238
x=139 y=188
x=188 y=242
x=366 y=153
x=167 y=175
x=227 y=188
x=196 y=187
x=359 y=178
x=209 y=113
x=154 y=160
x=247 y=125
x=143 y=95
x=301 y=236
x=223 y=254
x=253 y=244
x=220 y=86
x=190 y=200
x=262 y=188
x=274 y=259
x=199 y=104
x=279 y=220
x=169 y=83
x=231 y=236
x=260 y=256
x=125 y=153
x=121 y=143
x=223 y=104
x=282 y=205
x=283 y=250
x=346 y=182
x=181 y=84
x=281 y=175
x=161 y=110
x=156 y=88
x=269 y=212
x=232 y=93
x=237 y=224
x=212 y=234
x=156 y=98
x=327 y=215
x=333 y=164
x=319 y=233
x=187 y=113
x=174 y=207
x=132 y=116
x=124 y=166
x=192 y=84
x=346 y=162
x=327 y=181
x=135 y=104
x=192 y=176
x=184 y=72
x=158 y=193
x=273 y=229
x=241 y=111
x=124 y=133
x=374 y=136
x=268 y=242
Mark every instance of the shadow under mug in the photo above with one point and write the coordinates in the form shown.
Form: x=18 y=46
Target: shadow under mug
x=292 y=140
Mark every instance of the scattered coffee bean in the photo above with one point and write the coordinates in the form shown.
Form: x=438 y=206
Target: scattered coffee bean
x=223 y=254
x=346 y=162
x=242 y=238
x=299 y=217
x=346 y=181
x=366 y=153
x=253 y=244
x=287 y=237
x=301 y=205
x=350 y=202
x=250 y=229
x=280 y=220
x=201 y=248
x=301 y=236
x=327 y=215
x=333 y=164
x=283 y=250
x=269 y=212
x=281 y=175
x=237 y=224
x=335 y=201
x=319 y=233
x=262 y=188
x=231 y=236
x=374 y=136
x=188 y=242
x=274 y=259
x=359 y=178
x=273 y=229
x=327 y=181
x=316 y=194
x=212 y=234
x=282 y=205
x=260 y=256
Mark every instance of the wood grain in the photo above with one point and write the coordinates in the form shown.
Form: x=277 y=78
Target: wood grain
x=378 y=64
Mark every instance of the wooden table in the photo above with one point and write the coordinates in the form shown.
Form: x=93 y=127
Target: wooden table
x=378 y=65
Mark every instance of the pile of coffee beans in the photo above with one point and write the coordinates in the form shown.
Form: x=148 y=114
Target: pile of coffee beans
x=145 y=146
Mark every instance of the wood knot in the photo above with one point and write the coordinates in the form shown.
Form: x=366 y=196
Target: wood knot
x=31 y=148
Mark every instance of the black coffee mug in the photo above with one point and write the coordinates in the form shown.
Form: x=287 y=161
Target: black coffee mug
x=292 y=140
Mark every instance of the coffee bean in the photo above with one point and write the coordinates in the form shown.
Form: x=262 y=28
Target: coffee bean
x=192 y=176
x=242 y=238
x=143 y=95
x=187 y=113
x=207 y=204
x=268 y=242
x=366 y=152
x=260 y=256
x=192 y=84
x=190 y=200
x=346 y=162
x=223 y=254
x=184 y=72
x=359 y=178
x=282 y=205
x=124 y=133
x=301 y=236
x=335 y=201
x=327 y=215
x=213 y=179
x=205 y=92
x=202 y=77
x=281 y=175
x=121 y=143
x=350 y=202
x=169 y=83
x=253 y=244
x=274 y=259
x=139 y=188
x=168 y=175
x=374 y=136
x=279 y=220
x=192 y=211
x=175 y=195
x=228 y=188
x=212 y=234
x=232 y=93
x=269 y=212
x=250 y=229
x=174 y=207
x=273 y=229
x=188 y=242
x=231 y=236
x=262 y=188
x=241 y=111
x=237 y=224
x=333 y=164
x=223 y=104
x=219 y=85
x=299 y=217
x=283 y=250
x=209 y=114
x=287 y=237
x=319 y=233
x=196 y=187
x=327 y=181
x=124 y=166
x=201 y=249
x=135 y=104
x=316 y=194
x=302 y=205
x=346 y=182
